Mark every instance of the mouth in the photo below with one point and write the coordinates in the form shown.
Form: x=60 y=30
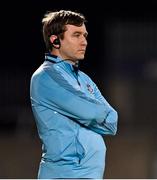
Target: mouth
x=82 y=50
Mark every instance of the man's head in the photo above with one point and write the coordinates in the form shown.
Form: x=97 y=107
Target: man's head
x=64 y=32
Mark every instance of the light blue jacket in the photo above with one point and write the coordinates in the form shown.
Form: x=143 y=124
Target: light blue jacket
x=71 y=117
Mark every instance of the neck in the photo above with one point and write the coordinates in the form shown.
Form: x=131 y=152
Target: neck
x=71 y=61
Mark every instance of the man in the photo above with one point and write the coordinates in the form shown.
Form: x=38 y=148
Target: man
x=70 y=112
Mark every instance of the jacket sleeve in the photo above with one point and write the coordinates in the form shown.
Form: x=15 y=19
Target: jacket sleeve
x=109 y=124
x=52 y=91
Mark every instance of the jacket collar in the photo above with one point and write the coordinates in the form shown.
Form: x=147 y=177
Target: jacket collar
x=52 y=58
x=55 y=59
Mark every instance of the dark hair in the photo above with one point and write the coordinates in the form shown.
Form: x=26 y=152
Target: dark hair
x=54 y=24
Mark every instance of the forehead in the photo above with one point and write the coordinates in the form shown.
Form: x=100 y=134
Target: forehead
x=72 y=28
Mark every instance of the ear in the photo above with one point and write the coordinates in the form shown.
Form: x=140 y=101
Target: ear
x=52 y=38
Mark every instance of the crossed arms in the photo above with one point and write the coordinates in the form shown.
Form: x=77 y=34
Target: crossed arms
x=54 y=92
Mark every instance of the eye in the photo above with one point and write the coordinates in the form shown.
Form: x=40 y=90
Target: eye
x=77 y=35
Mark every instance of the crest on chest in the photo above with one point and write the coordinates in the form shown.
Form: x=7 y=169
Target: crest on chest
x=89 y=88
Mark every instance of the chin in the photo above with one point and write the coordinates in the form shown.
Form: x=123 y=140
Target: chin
x=81 y=57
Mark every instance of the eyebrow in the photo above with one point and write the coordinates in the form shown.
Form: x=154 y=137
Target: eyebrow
x=79 y=32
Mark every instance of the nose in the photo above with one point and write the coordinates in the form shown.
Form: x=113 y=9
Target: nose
x=84 y=41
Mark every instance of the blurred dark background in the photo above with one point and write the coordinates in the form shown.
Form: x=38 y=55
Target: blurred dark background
x=121 y=58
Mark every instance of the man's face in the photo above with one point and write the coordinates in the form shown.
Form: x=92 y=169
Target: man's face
x=74 y=43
